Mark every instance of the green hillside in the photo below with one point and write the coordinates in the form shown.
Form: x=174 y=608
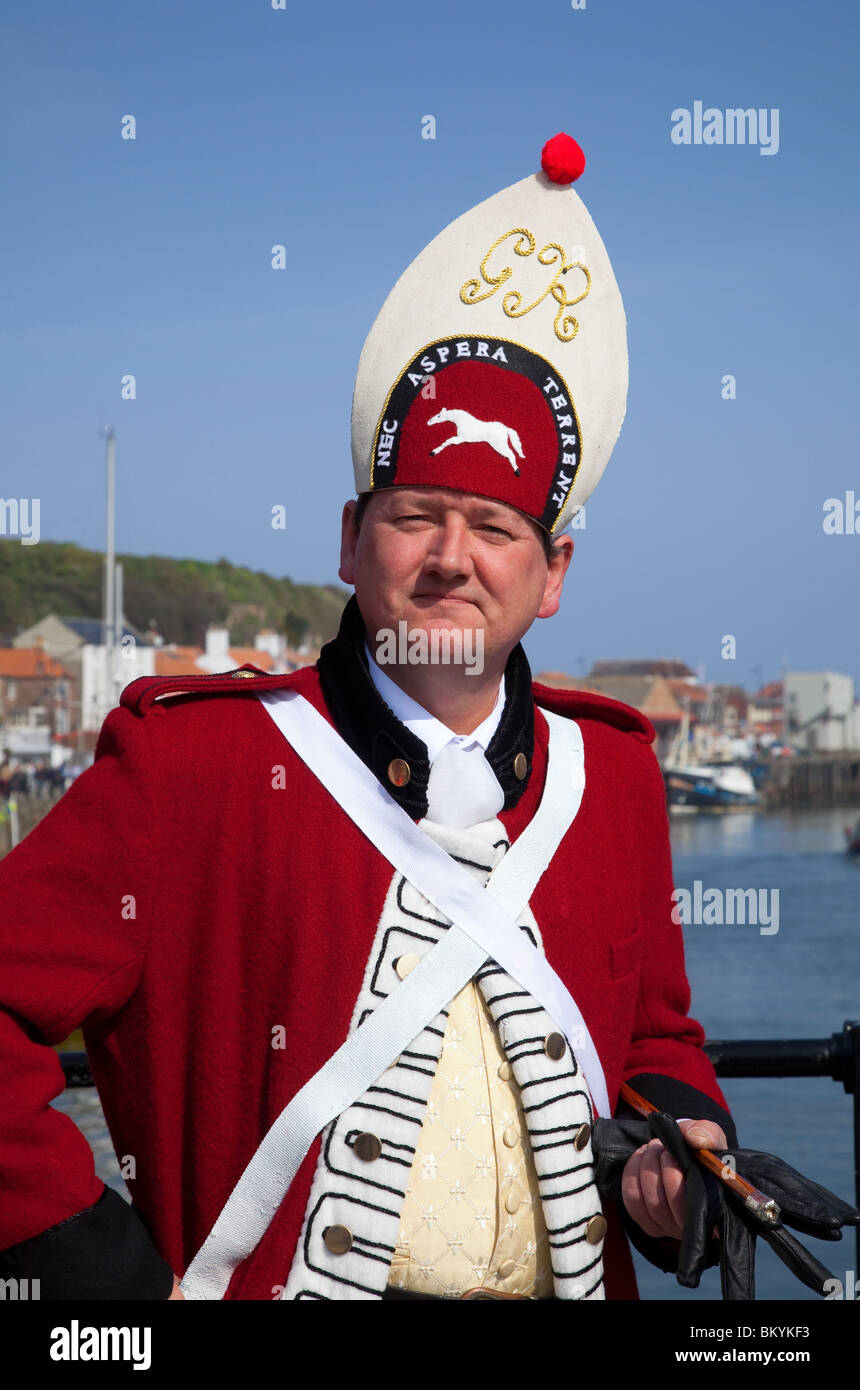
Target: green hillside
x=180 y=596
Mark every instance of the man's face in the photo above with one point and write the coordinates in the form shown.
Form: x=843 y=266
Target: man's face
x=436 y=558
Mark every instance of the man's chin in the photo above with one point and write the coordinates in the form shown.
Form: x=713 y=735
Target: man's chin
x=448 y=634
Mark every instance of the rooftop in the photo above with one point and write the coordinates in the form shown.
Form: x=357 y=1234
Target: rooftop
x=18 y=663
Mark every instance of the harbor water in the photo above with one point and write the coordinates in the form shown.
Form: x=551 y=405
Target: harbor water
x=748 y=981
x=800 y=981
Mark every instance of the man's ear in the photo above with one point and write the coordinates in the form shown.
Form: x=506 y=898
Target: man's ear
x=556 y=569
x=348 y=542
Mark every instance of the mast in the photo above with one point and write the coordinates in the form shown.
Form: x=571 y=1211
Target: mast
x=109 y=605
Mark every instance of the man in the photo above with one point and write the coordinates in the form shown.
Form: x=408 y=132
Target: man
x=435 y=558
x=214 y=909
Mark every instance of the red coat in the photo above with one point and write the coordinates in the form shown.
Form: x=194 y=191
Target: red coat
x=180 y=904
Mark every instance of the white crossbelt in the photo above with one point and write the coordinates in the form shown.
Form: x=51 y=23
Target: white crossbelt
x=484 y=927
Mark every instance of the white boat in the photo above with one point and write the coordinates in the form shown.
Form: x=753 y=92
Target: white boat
x=709 y=786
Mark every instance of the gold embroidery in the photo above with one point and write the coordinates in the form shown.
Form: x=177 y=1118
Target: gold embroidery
x=469 y=292
x=565 y=325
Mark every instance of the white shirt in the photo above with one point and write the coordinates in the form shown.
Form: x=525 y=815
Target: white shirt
x=463 y=789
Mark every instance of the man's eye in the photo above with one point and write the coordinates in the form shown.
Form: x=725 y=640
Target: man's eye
x=496 y=530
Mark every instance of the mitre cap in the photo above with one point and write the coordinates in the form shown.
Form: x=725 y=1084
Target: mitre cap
x=498 y=363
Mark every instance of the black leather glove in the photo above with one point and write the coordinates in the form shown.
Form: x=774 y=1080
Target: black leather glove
x=708 y=1203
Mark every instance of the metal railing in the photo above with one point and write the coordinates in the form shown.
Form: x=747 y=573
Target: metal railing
x=837 y=1057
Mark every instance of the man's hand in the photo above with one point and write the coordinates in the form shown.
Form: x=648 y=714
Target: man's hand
x=177 y=1292
x=653 y=1186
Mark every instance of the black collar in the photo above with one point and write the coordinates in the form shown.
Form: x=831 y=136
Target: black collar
x=372 y=730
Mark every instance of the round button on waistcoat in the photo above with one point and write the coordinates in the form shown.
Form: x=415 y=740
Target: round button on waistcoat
x=510 y=1137
x=581 y=1138
x=512 y=1201
x=595 y=1230
x=399 y=772
x=506 y=1269
x=405 y=964
x=338 y=1239
x=505 y=1071
x=554 y=1046
x=367 y=1147
x=521 y=766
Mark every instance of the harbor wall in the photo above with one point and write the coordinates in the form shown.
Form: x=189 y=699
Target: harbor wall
x=815 y=779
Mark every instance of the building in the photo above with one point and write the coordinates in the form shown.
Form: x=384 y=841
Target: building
x=650 y=693
x=35 y=691
x=695 y=700
x=78 y=645
x=669 y=669
x=765 y=712
x=270 y=652
x=823 y=713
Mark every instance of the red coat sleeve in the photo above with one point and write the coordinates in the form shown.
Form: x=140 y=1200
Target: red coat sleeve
x=666 y=1063
x=666 y=1041
x=75 y=903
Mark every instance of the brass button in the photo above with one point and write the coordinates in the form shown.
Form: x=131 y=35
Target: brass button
x=512 y=1201
x=505 y=1071
x=367 y=1147
x=555 y=1046
x=243 y=673
x=405 y=964
x=581 y=1138
x=399 y=772
x=510 y=1137
x=506 y=1269
x=595 y=1230
x=338 y=1239
x=521 y=766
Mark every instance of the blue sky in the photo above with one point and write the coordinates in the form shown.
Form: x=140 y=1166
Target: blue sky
x=302 y=126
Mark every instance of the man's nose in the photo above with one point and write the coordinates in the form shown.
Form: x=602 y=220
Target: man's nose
x=449 y=551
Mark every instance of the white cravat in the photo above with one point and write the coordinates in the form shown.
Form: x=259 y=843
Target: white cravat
x=463 y=790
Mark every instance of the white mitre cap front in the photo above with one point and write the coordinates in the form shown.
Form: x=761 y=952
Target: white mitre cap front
x=505 y=337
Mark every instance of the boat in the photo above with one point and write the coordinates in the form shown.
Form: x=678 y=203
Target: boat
x=852 y=838
x=709 y=787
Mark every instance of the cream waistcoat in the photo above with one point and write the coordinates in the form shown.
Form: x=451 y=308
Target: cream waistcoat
x=472 y=1215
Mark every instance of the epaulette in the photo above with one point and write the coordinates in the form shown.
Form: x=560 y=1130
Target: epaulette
x=587 y=704
x=142 y=694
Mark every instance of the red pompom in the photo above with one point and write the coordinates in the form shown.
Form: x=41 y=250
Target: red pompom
x=561 y=159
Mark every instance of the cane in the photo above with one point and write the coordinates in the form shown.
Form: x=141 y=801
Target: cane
x=764 y=1208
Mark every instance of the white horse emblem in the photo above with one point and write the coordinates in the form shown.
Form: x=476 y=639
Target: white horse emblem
x=471 y=431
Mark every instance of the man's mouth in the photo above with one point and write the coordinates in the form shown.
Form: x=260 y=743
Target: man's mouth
x=443 y=598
